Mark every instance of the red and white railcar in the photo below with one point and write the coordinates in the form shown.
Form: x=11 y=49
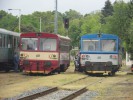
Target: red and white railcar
x=44 y=53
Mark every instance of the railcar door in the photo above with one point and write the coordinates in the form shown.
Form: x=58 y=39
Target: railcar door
x=10 y=48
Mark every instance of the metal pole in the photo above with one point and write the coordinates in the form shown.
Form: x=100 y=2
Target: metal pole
x=19 y=23
x=19 y=20
x=56 y=19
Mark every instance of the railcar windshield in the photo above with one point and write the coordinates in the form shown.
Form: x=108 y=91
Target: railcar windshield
x=90 y=45
x=108 y=45
x=104 y=45
x=47 y=44
x=29 y=44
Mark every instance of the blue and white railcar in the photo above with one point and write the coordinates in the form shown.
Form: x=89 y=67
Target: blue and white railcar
x=100 y=53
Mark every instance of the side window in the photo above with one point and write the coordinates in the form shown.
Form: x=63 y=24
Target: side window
x=9 y=41
x=4 y=41
x=64 y=46
x=17 y=42
x=0 y=40
x=14 y=42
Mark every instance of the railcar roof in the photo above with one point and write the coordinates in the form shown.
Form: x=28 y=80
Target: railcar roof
x=103 y=35
x=4 y=31
x=64 y=37
x=44 y=33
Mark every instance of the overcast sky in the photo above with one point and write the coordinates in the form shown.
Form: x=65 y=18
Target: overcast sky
x=30 y=6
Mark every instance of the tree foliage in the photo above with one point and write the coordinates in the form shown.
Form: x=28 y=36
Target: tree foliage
x=106 y=11
x=114 y=18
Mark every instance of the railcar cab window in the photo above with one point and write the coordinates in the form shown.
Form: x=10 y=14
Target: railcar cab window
x=90 y=45
x=47 y=44
x=29 y=44
x=108 y=45
x=64 y=46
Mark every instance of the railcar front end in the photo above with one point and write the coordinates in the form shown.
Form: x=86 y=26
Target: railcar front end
x=40 y=53
x=38 y=62
x=100 y=54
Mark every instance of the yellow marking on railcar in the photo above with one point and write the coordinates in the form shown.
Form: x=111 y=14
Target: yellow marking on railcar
x=99 y=71
x=46 y=72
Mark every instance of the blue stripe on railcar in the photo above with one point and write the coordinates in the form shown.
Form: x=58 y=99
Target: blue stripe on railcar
x=81 y=52
x=96 y=36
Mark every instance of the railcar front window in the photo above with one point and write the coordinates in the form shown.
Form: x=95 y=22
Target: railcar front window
x=47 y=44
x=29 y=44
x=90 y=45
x=108 y=45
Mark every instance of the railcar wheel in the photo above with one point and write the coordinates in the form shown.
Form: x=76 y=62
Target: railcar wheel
x=80 y=69
x=58 y=70
x=111 y=74
x=76 y=69
x=7 y=70
x=62 y=68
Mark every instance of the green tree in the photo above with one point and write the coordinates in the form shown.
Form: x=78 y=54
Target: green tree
x=129 y=38
x=8 y=21
x=28 y=28
x=74 y=32
x=106 y=11
x=2 y=14
x=120 y=23
x=72 y=14
x=91 y=23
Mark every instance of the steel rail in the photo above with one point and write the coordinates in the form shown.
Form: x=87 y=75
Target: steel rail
x=75 y=94
x=34 y=96
x=75 y=80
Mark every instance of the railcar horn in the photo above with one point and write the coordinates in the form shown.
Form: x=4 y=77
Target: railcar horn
x=99 y=34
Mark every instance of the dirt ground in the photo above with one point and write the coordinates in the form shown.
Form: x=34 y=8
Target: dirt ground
x=12 y=84
x=118 y=87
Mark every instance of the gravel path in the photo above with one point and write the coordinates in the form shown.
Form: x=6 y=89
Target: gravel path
x=56 y=95
x=89 y=95
x=28 y=93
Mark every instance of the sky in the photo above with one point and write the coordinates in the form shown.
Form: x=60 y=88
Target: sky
x=30 y=6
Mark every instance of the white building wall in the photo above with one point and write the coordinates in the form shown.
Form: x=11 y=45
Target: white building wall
x=128 y=61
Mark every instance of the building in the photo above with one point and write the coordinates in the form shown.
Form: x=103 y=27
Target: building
x=128 y=61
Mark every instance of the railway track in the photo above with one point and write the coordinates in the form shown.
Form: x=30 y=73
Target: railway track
x=75 y=94
x=92 y=81
x=66 y=94
x=55 y=92
x=36 y=95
